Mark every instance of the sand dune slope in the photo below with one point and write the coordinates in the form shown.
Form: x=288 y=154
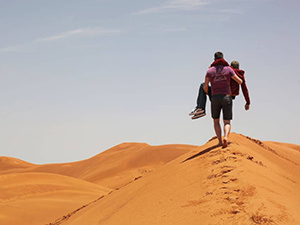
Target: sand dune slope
x=115 y=167
x=124 y=163
x=10 y=163
x=36 y=194
x=36 y=198
x=249 y=182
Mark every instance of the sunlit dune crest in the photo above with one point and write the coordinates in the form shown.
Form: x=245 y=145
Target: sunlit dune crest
x=8 y=163
x=117 y=166
x=249 y=182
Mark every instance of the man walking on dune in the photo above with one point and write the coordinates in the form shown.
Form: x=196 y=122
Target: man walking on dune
x=219 y=76
x=199 y=110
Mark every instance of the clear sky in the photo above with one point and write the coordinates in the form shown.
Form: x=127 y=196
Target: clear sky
x=79 y=77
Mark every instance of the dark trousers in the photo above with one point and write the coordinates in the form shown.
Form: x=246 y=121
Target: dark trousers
x=201 y=100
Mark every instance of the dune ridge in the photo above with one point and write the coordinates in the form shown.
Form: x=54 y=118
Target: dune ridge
x=242 y=184
x=249 y=182
x=63 y=189
x=114 y=167
x=10 y=163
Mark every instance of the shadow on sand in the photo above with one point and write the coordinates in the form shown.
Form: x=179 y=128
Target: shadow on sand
x=201 y=153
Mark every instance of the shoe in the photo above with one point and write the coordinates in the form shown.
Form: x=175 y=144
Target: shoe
x=199 y=115
x=196 y=111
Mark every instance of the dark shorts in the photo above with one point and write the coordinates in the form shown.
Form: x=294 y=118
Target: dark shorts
x=221 y=102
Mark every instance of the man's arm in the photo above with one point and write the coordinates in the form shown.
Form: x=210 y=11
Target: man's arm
x=237 y=79
x=205 y=87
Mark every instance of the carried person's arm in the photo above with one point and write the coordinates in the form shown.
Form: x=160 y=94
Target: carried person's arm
x=240 y=81
x=246 y=95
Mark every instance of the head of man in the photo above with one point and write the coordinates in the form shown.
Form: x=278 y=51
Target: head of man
x=235 y=64
x=219 y=55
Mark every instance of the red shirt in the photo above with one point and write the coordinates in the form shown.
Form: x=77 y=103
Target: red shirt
x=235 y=86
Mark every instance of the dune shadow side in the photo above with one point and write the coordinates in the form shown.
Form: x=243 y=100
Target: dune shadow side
x=201 y=153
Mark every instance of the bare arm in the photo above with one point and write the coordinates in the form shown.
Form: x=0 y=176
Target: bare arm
x=237 y=79
x=205 y=87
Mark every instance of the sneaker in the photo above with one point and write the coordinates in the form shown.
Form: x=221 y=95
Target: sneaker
x=199 y=115
x=196 y=111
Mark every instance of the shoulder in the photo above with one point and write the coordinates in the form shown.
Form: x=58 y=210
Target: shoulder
x=230 y=69
x=211 y=70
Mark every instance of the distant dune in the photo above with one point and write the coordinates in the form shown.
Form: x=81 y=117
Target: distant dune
x=10 y=163
x=34 y=198
x=113 y=168
x=249 y=182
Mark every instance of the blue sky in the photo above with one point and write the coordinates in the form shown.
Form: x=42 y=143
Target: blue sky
x=78 y=77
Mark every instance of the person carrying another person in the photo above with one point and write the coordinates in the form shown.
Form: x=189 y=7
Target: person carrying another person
x=199 y=110
x=219 y=76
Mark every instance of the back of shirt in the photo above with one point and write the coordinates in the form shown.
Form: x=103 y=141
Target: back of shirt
x=219 y=78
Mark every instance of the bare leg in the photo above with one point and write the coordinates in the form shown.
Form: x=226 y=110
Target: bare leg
x=227 y=128
x=218 y=130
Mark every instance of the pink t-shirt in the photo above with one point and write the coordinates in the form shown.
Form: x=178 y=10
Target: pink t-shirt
x=219 y=78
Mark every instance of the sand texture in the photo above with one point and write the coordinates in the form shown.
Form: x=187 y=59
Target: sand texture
x=250 y=182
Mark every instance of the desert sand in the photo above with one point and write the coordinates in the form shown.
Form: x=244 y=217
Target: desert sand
x=249 y=182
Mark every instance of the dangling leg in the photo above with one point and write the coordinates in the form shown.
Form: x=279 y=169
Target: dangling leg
x=201 y=100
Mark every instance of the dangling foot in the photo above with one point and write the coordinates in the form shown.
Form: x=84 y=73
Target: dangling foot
x=198 y=115
x=196 y=111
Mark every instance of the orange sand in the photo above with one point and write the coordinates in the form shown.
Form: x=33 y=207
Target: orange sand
x=249 y=182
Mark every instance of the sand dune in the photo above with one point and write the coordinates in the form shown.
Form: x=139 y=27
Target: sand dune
x=10 y=163
x=115 y=167
x=246 y=183
x=43 y=193
x=249 y=182
x=36 y=198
